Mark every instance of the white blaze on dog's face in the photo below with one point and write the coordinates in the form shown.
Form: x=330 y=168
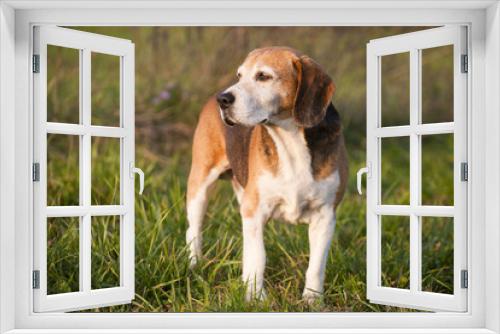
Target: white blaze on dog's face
x=265 y=89
x=277 y=83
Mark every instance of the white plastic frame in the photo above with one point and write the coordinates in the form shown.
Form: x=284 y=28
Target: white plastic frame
x=18 y=16
x=413 y=43
x=85 y=43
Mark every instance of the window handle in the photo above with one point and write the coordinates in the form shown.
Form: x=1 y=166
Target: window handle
x=359 y=175
x=134 y=170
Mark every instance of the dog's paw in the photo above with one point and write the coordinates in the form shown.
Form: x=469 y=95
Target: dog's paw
x=253 y=295
x=193 y=261
x=312 y=297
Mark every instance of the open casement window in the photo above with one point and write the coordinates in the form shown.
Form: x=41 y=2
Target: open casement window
x=416 y=229
x=83 y=170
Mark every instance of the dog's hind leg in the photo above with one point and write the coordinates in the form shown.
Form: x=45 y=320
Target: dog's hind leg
x=199 y=185
x=209 y=161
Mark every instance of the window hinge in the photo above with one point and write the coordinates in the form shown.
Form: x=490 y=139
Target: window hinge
x=464 y=279
x=36 y=63
x=465 y=64
x=36 y=172
x=36 y=279
x=464 y=171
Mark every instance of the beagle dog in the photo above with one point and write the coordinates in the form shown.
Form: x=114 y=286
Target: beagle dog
x=278 y=134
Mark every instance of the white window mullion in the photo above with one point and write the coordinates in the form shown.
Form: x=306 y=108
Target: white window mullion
x=81 y=169
x=80 y=130
x=85 y=258
x=415 y=240
x=124 y=177
x=420 y=129
x=127 y=193
x=80 y=211
x=85 y=175
x=372 y=188
x=421 y=210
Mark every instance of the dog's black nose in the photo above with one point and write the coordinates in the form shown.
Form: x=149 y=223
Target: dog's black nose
x=225 y=100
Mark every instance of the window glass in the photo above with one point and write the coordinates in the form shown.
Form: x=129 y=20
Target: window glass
x=395 y=95
x=437 y=254
x=437 y=169
x=437 y=84
x=105 y=252
x=105 y=171
x=62 y=170
x=395 y=251
x=395 y=172
x=105 y=89
x=63 y=255
x=63 y=84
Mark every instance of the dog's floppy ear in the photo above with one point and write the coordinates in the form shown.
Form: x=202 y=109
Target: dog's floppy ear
x=314 y=92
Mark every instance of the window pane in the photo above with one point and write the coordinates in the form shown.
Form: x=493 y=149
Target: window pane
x=437 y=169
x=437 y=84
x=437 y=254
x=395 y=95
x=62 y=170
x=62 y=255
x=395 y=171
x=105 y=89
x=63 y=84
x=105 y=171
x=105 y=252
x=395 y=251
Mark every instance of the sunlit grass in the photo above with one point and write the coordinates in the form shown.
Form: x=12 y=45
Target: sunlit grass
x=165 y=284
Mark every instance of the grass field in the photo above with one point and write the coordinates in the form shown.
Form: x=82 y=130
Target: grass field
x=166 y=113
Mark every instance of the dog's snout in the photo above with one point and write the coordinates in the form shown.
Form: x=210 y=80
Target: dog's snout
x=225 y=100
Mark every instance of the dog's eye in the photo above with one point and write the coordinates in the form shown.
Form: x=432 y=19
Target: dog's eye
x=261 y=76
x=238 y=75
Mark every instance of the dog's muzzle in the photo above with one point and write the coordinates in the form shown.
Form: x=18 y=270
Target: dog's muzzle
x=226 y=100
x=226 y=119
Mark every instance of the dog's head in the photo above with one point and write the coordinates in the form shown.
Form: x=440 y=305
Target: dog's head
x=277 y=83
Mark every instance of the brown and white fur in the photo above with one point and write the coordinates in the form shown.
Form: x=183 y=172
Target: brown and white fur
x=278 y=134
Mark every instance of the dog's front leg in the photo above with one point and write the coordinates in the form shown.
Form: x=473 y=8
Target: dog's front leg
x=321 y=229
x=254 y=256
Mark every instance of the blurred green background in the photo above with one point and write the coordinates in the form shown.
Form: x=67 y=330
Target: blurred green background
x=177 y=70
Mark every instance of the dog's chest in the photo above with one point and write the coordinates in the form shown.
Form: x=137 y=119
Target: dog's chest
x=292 y=194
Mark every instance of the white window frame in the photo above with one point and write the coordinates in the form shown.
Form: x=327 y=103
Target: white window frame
x=16 y=21
x=413 y=44
x=86 y=44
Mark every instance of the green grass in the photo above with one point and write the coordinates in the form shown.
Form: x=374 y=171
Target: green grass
x=178 y=68
x=165 y=284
